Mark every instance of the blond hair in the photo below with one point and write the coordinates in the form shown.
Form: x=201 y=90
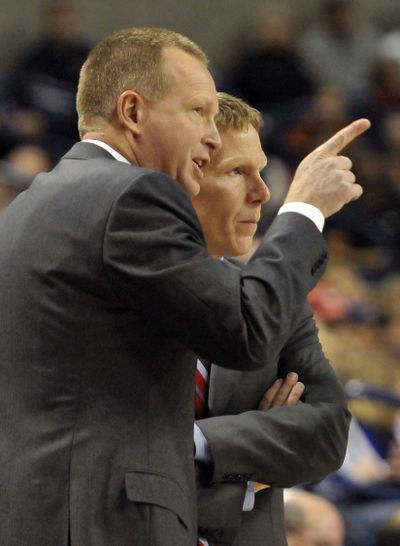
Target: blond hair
x=235 y=113
x=127 y=59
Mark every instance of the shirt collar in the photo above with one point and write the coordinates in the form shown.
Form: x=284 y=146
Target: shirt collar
x=108 y=148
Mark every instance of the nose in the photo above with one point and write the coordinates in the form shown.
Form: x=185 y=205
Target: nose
x=212 y=138
x=258 y=191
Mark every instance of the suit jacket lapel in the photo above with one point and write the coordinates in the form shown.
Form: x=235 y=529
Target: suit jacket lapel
x=235 y=391
x=222 y=385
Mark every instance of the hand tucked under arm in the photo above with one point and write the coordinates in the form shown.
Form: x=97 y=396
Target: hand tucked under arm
x=283 y=392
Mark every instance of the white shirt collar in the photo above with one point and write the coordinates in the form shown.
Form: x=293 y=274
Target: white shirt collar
x=108 y=148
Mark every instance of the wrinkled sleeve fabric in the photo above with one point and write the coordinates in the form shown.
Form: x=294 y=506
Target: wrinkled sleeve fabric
x=289 y=445
x=155 y=258
x=282 y=447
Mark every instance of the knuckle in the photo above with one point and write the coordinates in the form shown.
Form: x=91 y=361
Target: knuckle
x=351 y=177
x=345 y=162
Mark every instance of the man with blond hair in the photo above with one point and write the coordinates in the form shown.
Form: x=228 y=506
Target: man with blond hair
x=255 y=433
x=107 y=291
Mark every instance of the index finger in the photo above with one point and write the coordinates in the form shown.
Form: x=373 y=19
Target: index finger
x=343 y=137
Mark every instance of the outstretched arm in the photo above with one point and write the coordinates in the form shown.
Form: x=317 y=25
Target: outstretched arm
x=155 y=256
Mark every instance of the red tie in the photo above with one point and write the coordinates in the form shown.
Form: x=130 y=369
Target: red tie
x=201 y=394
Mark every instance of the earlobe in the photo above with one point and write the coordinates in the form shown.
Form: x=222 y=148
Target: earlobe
x=128 y=111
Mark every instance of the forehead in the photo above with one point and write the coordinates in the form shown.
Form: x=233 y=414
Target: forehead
x=240 y=146
x=189 y=75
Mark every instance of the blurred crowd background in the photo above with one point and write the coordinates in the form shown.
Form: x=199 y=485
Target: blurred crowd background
x=309 y=73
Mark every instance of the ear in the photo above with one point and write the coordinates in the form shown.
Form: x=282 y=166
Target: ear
x=129 y=110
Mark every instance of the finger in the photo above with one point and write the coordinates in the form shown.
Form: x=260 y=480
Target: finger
x=283 y=393
x=343 y=137
x=356 y=191
x=269 y=395
x=295 y=394
x=343 y=163
x=348 y=177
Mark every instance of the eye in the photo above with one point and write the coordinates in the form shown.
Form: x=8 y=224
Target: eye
x=199 y=110
x=237 y=171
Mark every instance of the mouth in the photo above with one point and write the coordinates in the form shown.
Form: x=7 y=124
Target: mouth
x=199 y=164
x=250 y=221
x=249 y=226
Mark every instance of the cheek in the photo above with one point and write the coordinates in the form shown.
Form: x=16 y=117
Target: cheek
x=227 y=228
x=205 y=212
x=244 y=236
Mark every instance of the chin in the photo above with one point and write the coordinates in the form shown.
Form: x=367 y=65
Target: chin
x=237 y=252
x=244 y=248
x=244 y=252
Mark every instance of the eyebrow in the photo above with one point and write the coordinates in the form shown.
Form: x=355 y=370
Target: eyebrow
x=242 y=162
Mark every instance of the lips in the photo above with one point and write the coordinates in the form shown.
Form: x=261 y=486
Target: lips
x=197 y=169
x=250 y=221
x=199 y=163
x=248 y=227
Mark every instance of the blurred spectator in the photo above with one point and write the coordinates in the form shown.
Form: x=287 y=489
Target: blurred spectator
x=383 y=98
x=359 y=326
x=310 y=520
x=358 y=320
x=385 y=86
x=11 y=184
x=29 y=159
x=391 y=140
x=389 y=46
x=19 y=125
x=372 y=223
x=270 y=73
x=340 y=51
x=390 y=534
x=43 y=85
x=18 y=170
x=326 y=113
x=367 y=487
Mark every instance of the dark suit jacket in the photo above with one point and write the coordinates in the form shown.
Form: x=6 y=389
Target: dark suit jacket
x=282 y=447
x=106 y=290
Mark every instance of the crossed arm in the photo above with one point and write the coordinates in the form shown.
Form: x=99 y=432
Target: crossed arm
x=279 y=442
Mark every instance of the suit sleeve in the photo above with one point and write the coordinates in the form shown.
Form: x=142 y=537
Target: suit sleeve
x=155 y=258
x=289 y=445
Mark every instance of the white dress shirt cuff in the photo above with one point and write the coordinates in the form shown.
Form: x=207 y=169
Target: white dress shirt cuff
x=313 y=213
x=248 y=505
x=249 y=498
x=203 y=453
